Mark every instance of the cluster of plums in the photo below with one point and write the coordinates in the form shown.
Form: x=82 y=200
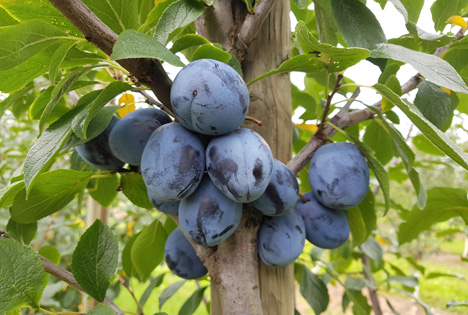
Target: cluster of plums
x=204 y=168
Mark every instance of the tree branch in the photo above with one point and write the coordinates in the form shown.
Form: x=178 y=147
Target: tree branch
x=147 y=71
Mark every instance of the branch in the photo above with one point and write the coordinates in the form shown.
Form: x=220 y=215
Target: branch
x=148 y=71
x=67 y=277
x=344 y=120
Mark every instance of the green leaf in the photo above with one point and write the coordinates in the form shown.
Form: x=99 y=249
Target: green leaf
x=357 y=24
x=117 y=14
x=401 y=8
x=362 y=219
x=413 y=7
x=6 y=19
x=457 y=303
x=437 y=137
x=408 y=281
x=22 y=41
x=102 y=309
x=191 y=305
x=134 y=188
x=57 y=93
x=127 y=263
x=422 y=144
x=456 y=53
x=23 y=233
x=357 y=226
x=374 y=165
x=105 y=190
x=133 y=44
x=393 y=84
x=8 y=193
x=169 y=292
x=22 y=276
x=325 y=22
x=212 y=52
x=302 y=4
x=435 y=105
x=427 y=40
x=187 y=41
x=148 y=250
x=426 y=307
x=333 y=58
x=57 y=59
x=95 y=259
x=154 y=283
x=154 y=16
x=53 y=191
x=442 y=204
x=373 y=250
x=443 y=9
x=433 y=275
x=51 y=253
x=81 y=121
x=433 y=68
x=356 y=284
x=380 y=141
x=313 y=290
x=178 y=14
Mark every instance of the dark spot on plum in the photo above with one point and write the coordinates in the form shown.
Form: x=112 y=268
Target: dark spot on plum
x=299 y=228
x=272 y=193
x=320 y=192
x=267 y=247
x=279 y=177
x=258 y=171
x=227 y=229
x=195 y=93
x=212 y=127
x=287 y=235
x=170 y=263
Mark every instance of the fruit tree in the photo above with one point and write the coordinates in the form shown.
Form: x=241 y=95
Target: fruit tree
x=182 y=111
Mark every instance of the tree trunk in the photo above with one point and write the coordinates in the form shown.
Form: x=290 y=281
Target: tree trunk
x=270 y=102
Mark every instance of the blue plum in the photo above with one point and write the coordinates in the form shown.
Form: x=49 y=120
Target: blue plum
x=181 y=258
x=339 y=175
x=207 y=216
x=209 y=97
x=129 y=136
x=280 y=240
x=240 y=164
x=167 y=207
x=325 y=227
x=281 y=193
x=97 y=153
x=173 y=162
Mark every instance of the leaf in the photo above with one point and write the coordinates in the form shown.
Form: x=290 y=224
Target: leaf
x=433 y=275
x=433 y=68
x=456 y=53
x=457 y=20
x=443 y=9
x=95 y=259
x=211 y=52
x=169 y=292
x=22 y=276
x=437 y=137
x=413 y=7
x=81 y=121
x=374 y=165
x=192 y=302
x=53 y=191
x=357 y=226
x=380 y=141
x=401 y=8
x=134 y=188
x=426 y=307
x=362 y=219
x=357 y=24
x=117 y=14
x=154 y=15
x=51 y=253
x=408 y=281
x=101 y=309
x=127 y=263
x=325 y=22
x=356 y=284
x=57 y=59
x=133 y=44
x=314 y=290
x=22 y=41
x=393 y=84
x=23 y=233
x=422 y=144
x=435 y=105
x=129 y=100
x=105 y=190
x=373 y=250
x=442 y=204
x=457 y=303
x=187 y=41
x=8 y=193
x=178 y=14
x=6 y=19
x=154 y=283
x=148 y=250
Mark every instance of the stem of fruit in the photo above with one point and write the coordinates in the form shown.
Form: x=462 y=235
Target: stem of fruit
x=255 y=120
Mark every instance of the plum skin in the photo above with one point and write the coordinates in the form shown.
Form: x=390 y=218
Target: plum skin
x=281 y=193
x=280 y=239
x=240 y=164
x=326 y=228
x=173 y=162
x=209 y=97
x=167 y=207
x=339 y=175
x=130 y=134
x=181 y=257
x=207 y=216
x=97 y=152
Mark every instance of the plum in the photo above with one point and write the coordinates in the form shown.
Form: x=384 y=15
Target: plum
x=128 y=138
x=280 y=240
x=167 y=207
x=240 y=164
x=181 y=258
x=207 y=216
x=173 y=162
x=209 y=97
x=281 y=193
x=97 y=153
x=339 y=175
x=324 y=227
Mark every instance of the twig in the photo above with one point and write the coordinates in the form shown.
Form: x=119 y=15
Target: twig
x=372 y=292
x=151 y=100
x=122 y=281
x=327 y=106
x=204 y=297
x=148 y=71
